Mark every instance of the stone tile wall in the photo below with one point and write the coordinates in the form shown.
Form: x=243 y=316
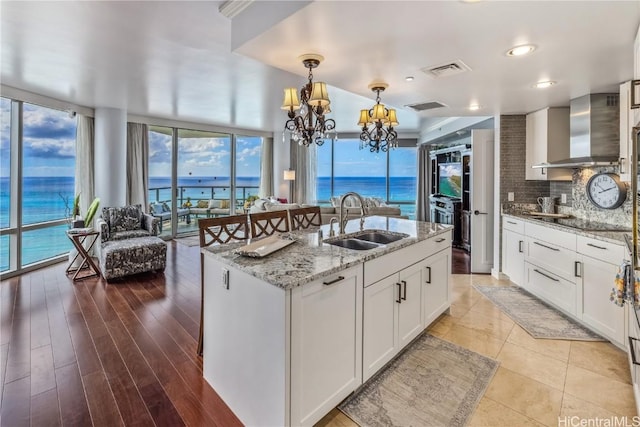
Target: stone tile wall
x=512 y=163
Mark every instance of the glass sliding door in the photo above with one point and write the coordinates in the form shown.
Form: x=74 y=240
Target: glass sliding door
x=402 y=179
x=160 y=164
x=203 y=176
x=247 y=172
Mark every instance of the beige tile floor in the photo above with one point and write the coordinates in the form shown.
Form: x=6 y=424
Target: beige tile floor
x=539 y=382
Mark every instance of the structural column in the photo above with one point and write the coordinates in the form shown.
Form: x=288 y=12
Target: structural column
x=111 y=156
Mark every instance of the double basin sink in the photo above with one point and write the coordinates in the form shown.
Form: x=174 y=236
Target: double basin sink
x=366 y=239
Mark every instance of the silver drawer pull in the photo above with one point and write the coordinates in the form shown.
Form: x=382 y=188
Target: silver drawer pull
x=546 y=275
x=520 y=242
x=511 y=222
x=336 y=280
x=440 y=240
x=548 y=247
x=596 y=246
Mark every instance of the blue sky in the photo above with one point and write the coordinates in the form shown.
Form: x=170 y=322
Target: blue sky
x=204 y=156
x=49 y=141
x=350 y=161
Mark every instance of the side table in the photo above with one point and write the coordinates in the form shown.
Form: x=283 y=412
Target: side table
x=78 y=239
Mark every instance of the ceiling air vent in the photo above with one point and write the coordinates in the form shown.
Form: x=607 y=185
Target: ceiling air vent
x=424 y=106
x=447 y=69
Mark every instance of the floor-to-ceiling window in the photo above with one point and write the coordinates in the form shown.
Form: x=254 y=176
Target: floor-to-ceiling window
x=5 y=180
x=37 y=173
x=391 y=176
x=212 y=169
x=204 y=171
x=248 y=155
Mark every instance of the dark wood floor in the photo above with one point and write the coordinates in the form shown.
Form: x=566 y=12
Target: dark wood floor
x=90 y=353
x=460 y=261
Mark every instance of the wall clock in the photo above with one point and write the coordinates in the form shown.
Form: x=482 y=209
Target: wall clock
x=606 y=191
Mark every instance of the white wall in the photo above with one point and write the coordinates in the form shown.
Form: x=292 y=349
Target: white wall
x=111 y=156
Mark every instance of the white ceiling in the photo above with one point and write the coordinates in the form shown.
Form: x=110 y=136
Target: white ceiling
x=175 y=59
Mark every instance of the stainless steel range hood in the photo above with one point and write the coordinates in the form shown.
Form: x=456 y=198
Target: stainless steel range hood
x=594 y=123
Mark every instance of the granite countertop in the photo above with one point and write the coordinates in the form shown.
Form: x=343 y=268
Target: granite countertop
x=616 y=237
x=310 y=258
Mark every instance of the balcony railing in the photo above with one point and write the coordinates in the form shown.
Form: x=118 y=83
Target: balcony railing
x=201 y=192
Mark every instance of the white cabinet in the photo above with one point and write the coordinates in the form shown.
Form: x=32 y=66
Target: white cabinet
x=550 y=287
x=410 y=322
x=435 y=285
x=547 y=140
x=628 y=119
x=392 y=317
x=399 y=306
x=599 y=263
x=513 y=250
x=626 y=125
x=326 y=332
x=380 y=337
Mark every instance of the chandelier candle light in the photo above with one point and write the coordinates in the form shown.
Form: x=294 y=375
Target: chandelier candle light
x=307 y=123
x=377 y=124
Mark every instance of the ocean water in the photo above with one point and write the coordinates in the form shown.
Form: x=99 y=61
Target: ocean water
x=43 y=200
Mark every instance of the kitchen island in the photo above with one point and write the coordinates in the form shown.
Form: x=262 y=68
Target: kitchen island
x=287 y=337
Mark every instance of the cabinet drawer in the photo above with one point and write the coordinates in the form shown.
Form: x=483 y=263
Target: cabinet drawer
x=384 y=266
x=604 y=251
x=513 y=224
x=559 y=260
x=551 y=235
x=551 y=288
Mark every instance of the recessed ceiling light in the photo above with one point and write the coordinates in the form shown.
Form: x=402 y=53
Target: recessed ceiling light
x=544 y=84
x=474 y=107
x=521 y=50
x=409 y=78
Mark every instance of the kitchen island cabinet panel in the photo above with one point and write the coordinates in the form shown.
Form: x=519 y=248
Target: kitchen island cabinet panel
x=435 y=285
x=245 y=355
x=379 y=335
x=410 y=321
x=326 y=336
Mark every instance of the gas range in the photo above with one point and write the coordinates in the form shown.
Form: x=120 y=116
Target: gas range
x=586 y=225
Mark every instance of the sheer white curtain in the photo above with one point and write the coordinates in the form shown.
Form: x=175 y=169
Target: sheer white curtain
x=138 y=164
x=85 y=156
x=266 y=168
x=304 y=162
x=422 y=198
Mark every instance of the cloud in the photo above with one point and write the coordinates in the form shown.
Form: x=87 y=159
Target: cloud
x=50 y=148
x=40 y=122
x=159 y=148
x=246 y=153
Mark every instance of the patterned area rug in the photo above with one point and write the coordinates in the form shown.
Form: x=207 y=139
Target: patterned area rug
x=189 y=240
x=432 y=383
x=539 y=319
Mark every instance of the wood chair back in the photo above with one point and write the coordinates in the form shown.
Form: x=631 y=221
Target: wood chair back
x=223 y=229
x=305 y=217
x=268 y=223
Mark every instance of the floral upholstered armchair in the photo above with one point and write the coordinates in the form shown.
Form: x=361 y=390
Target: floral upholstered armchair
x=128 y=242
x=126 y=222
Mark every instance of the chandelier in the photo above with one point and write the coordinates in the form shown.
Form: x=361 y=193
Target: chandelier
x=307 y=123
x=377 y=124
